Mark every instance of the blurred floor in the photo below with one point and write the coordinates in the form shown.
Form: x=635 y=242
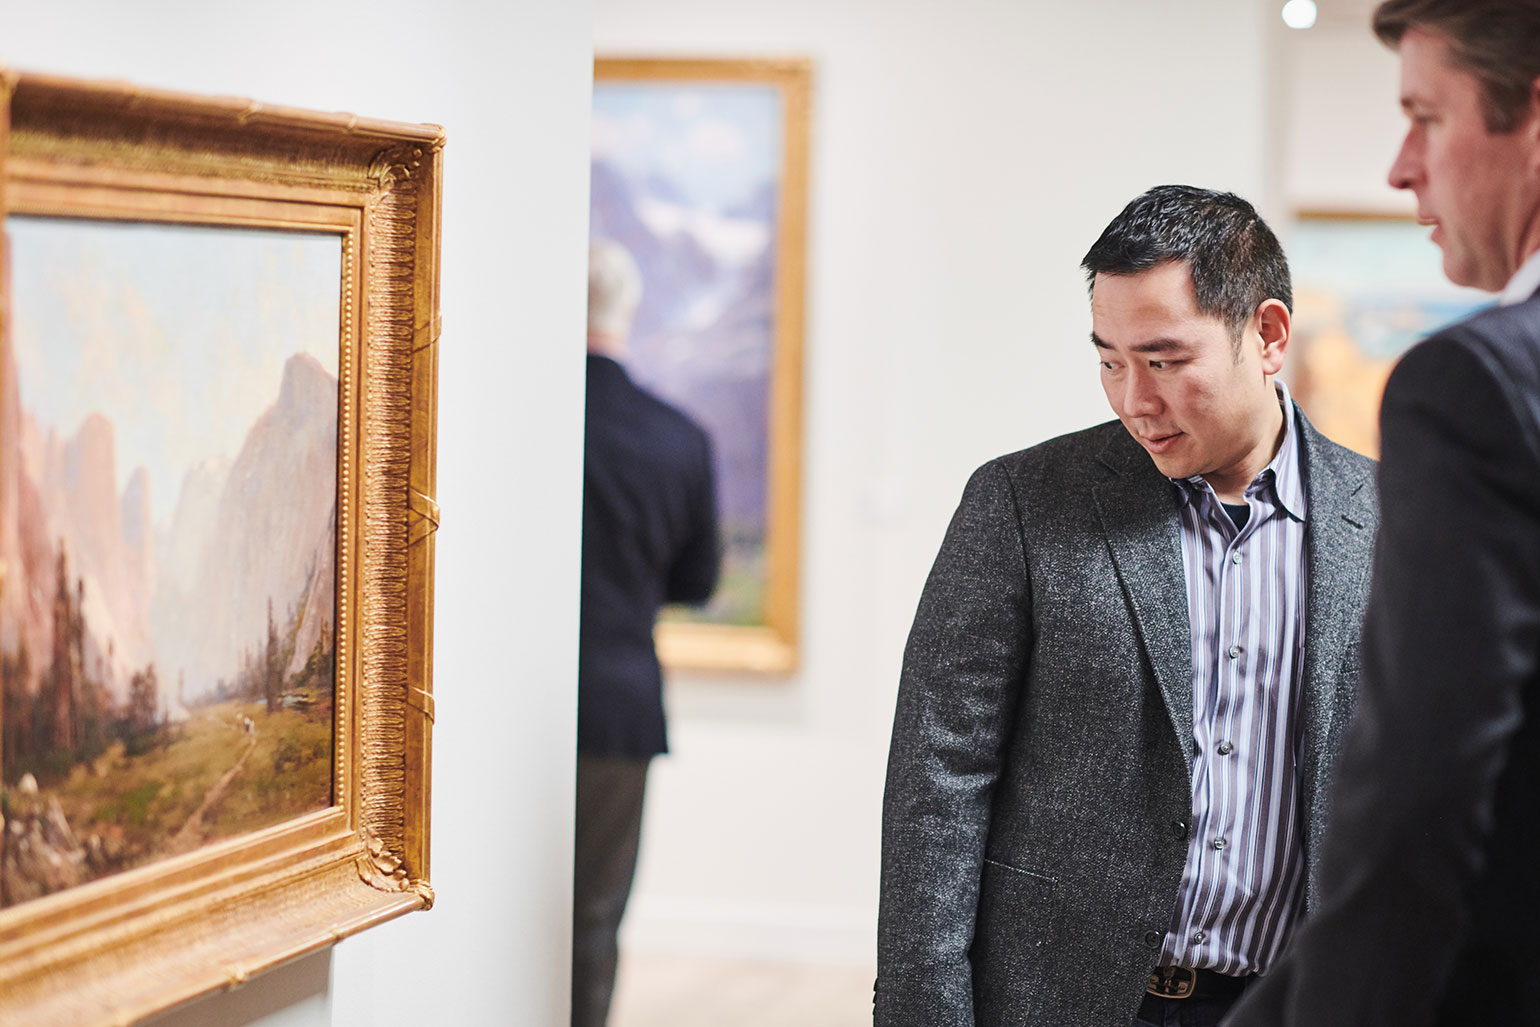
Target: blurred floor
x=656 y=990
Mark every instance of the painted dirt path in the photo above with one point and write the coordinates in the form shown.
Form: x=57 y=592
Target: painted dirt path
x=190 y=835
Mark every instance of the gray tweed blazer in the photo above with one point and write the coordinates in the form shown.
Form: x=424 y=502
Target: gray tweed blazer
x=1039 y=781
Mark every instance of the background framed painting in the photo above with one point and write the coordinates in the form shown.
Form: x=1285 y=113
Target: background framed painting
x=1366 y=288
x=700 y=171
x=218 y=333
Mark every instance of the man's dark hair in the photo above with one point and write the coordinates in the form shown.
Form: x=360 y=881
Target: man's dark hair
x=1498 y=41
x=1234 y=257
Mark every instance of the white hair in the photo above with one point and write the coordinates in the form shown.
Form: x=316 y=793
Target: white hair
x=614 y=290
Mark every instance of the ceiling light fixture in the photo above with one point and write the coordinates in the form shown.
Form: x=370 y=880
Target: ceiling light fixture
x=1299 y=14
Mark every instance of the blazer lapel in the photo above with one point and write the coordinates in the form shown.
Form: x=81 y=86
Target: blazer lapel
x=1139 y=515
x=1339 y=549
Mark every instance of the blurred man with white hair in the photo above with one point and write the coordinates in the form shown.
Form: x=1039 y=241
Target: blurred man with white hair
x=649 y=538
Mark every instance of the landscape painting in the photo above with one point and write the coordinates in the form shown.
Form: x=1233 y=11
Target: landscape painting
x=168 y=537
x=1365 y=290
x=686 y=176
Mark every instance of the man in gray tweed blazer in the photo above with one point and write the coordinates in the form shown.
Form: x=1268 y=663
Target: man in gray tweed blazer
x=1131 y=667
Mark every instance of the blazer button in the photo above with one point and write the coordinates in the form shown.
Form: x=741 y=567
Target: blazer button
x=1178 y=829
x=1152 y=939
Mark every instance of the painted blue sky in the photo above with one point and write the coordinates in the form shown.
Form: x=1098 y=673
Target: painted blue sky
x=1356 y=256
x=716 y=143
x=177 y=334
x=1390 y=275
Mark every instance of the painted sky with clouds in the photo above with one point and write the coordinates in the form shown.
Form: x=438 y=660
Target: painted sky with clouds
x=177 y=334
x=717 y=143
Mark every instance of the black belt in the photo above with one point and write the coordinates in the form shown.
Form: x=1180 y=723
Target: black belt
x=1182 y=982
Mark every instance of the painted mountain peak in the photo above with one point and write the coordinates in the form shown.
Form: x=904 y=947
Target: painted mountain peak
x=191 y=597
x=281 y=486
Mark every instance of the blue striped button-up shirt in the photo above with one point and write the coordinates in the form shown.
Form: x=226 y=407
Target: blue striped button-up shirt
x=1241 y=888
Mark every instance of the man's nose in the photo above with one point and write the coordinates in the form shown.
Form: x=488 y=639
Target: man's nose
x=1140 y=396
x=1402 y=169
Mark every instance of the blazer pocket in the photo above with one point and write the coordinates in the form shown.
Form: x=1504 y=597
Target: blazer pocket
x=1009 y=868
x=1016 y=934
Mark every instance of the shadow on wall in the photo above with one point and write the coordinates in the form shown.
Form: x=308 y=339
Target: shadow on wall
x=304 y=984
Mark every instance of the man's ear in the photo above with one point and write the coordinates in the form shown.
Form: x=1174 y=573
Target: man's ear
x=1273 y=326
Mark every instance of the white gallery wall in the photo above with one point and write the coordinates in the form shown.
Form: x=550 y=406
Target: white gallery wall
x=511 y=83
x=1344 y=121
x=964 y=156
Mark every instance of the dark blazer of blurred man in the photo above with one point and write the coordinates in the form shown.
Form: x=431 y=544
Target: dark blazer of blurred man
x=649 y=538
x=1130 y=667
x=1430 y=910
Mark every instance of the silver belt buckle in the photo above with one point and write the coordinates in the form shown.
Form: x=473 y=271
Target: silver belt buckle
x=1172 y=982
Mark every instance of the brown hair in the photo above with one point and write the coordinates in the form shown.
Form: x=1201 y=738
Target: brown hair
x=1498 y=41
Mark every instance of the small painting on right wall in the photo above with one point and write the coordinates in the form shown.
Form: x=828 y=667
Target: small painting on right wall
x=1366 y=289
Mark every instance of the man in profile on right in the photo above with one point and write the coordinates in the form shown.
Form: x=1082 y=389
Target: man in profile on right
x=1429 y=912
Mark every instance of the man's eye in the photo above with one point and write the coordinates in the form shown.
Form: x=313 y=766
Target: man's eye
x=1157 y=364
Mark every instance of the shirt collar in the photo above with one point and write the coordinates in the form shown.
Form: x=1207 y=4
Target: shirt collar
x=1283 y=471
x=1523 y=283
x=1289 y=481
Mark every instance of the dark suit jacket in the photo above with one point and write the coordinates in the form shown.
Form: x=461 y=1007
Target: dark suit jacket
x=1039 y=782
x=1431 y=892
x=649 y=537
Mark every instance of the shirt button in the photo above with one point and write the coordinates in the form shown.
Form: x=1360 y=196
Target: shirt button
x=1220 y=843
x=1225 y=748
x=1235 y=557
x=1199 y=937
x=1152 y=938
x=1235 y=651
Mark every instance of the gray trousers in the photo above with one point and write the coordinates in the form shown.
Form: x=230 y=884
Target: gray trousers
x=608 y=832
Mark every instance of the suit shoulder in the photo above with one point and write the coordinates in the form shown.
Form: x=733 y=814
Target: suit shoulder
x=1505 y=340
x=1498 y=325
x=1059 y=472
x=1482 y=373
x=620 y=401
x=1069 y=453
x=1350 y=460
x=673 y=418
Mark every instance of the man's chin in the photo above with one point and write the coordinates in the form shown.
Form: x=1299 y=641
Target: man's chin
x=1456 y=271
x=1463 y=270
x=1172 y=466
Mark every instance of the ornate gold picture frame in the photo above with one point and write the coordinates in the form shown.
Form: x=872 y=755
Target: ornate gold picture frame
x=700 y=171
x=260 y=860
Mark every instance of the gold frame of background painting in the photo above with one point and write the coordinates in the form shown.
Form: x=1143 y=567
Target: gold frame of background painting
x=119 y=948
x=769 y=646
